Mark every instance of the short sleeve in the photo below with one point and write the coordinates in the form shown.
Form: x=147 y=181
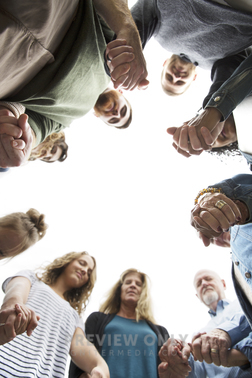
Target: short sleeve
x=22 y=273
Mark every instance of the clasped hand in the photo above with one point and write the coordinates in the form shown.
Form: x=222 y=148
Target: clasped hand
x=214 y=347
x=16 y=319
x=198 y=134
x=174 y=356
x=15 y=139
x=126 y=61
x=211 y=221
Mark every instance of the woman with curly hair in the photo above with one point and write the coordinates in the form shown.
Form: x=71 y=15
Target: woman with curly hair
x=124 y=331
x=57 y=296
x=53 y=148
x=19 y=231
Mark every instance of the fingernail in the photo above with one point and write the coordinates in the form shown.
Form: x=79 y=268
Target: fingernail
x=15 y=144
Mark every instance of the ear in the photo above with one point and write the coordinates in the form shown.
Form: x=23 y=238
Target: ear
x=224 y=284
x=195 y=76
x=197 y=296
x=120 y=91
x=95 y=114
x=165 y=62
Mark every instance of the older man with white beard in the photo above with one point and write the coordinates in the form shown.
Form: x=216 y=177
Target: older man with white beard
x=216 y=343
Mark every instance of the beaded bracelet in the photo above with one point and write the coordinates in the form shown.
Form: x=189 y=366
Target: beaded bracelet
x=208 y=190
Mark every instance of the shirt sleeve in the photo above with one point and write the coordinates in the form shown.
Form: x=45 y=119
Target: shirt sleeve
x=237 y=327
x=238 y=187
x=245 y=346
x=222 y=70
x=23 y=273
x=144 y=13
x=198 y=369
x=42 y=126
x=234 y=90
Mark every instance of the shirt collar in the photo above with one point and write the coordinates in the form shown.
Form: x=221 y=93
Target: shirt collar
x=221 y=305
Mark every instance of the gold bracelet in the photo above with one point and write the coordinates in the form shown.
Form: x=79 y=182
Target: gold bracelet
x=208 y=190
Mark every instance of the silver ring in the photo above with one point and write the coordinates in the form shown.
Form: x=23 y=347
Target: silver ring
x=219 y=204
x=108 y=59
x=2 y=324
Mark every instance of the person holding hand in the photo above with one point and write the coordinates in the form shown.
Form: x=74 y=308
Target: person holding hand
x=227 y=111
x=58 y=297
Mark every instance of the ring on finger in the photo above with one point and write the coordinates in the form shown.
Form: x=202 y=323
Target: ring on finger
x=108 y=58
x=219 y=204
x=213 y=350
x=2 y=324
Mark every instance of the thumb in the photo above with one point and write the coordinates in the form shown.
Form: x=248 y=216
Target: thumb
x=171 y=130
x=23 y=122
x=144 y=84
x=162 y=367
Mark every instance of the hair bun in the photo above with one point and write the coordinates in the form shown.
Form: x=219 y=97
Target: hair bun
x=39 y=221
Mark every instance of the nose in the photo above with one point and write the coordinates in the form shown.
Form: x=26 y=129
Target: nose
x=84 y=270
x=115 y=112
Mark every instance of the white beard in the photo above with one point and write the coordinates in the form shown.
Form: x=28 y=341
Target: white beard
x=210 y=296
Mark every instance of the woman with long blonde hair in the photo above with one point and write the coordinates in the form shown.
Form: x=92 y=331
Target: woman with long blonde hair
x=48 y=307
x=124 y=331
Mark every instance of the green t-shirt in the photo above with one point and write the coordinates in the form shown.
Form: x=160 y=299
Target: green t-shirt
x=68 y=88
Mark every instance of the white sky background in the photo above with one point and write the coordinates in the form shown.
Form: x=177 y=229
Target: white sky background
x=125 y=197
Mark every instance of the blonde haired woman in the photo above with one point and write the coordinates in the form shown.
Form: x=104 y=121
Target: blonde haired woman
x=58 y=296
x=19 y=231
x=124 y=331
x=53 y=148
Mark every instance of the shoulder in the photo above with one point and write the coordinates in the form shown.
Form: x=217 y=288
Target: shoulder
x=29 y=274
x=158 y=329
x=97 y=316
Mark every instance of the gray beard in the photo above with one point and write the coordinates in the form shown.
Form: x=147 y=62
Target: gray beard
x=209 y=297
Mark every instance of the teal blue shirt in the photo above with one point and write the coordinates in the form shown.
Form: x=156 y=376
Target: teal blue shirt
x=130 y=349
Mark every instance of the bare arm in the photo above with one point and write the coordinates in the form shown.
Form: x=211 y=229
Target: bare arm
x=93 y=363
x=118 y=17
x=15 y=315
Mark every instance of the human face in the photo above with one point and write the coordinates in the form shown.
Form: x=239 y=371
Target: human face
x=228 y=134
x=177 y=74
x=112 y=108
x=131 y=289
x=9 y=241
x=78 y=272
x=210 y=288
x=48 y=151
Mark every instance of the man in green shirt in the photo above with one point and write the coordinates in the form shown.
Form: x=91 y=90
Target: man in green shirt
x=68 y=87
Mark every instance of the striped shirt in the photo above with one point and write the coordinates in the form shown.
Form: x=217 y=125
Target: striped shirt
x=44 y=353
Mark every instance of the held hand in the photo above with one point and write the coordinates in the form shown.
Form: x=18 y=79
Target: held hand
x=127 y=66
x=174 y=355
x=14 y=152
x=97 y=373
x=198 y=134
x=14 y=320
x=9 y=124
x=212 y=347
x=30 y=321
x=212 y=220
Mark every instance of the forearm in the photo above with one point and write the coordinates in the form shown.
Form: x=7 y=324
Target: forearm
x=116 y=14
x=17 y=291
x=80 y=347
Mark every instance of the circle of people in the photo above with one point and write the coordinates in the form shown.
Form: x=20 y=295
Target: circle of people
x=40 y=321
